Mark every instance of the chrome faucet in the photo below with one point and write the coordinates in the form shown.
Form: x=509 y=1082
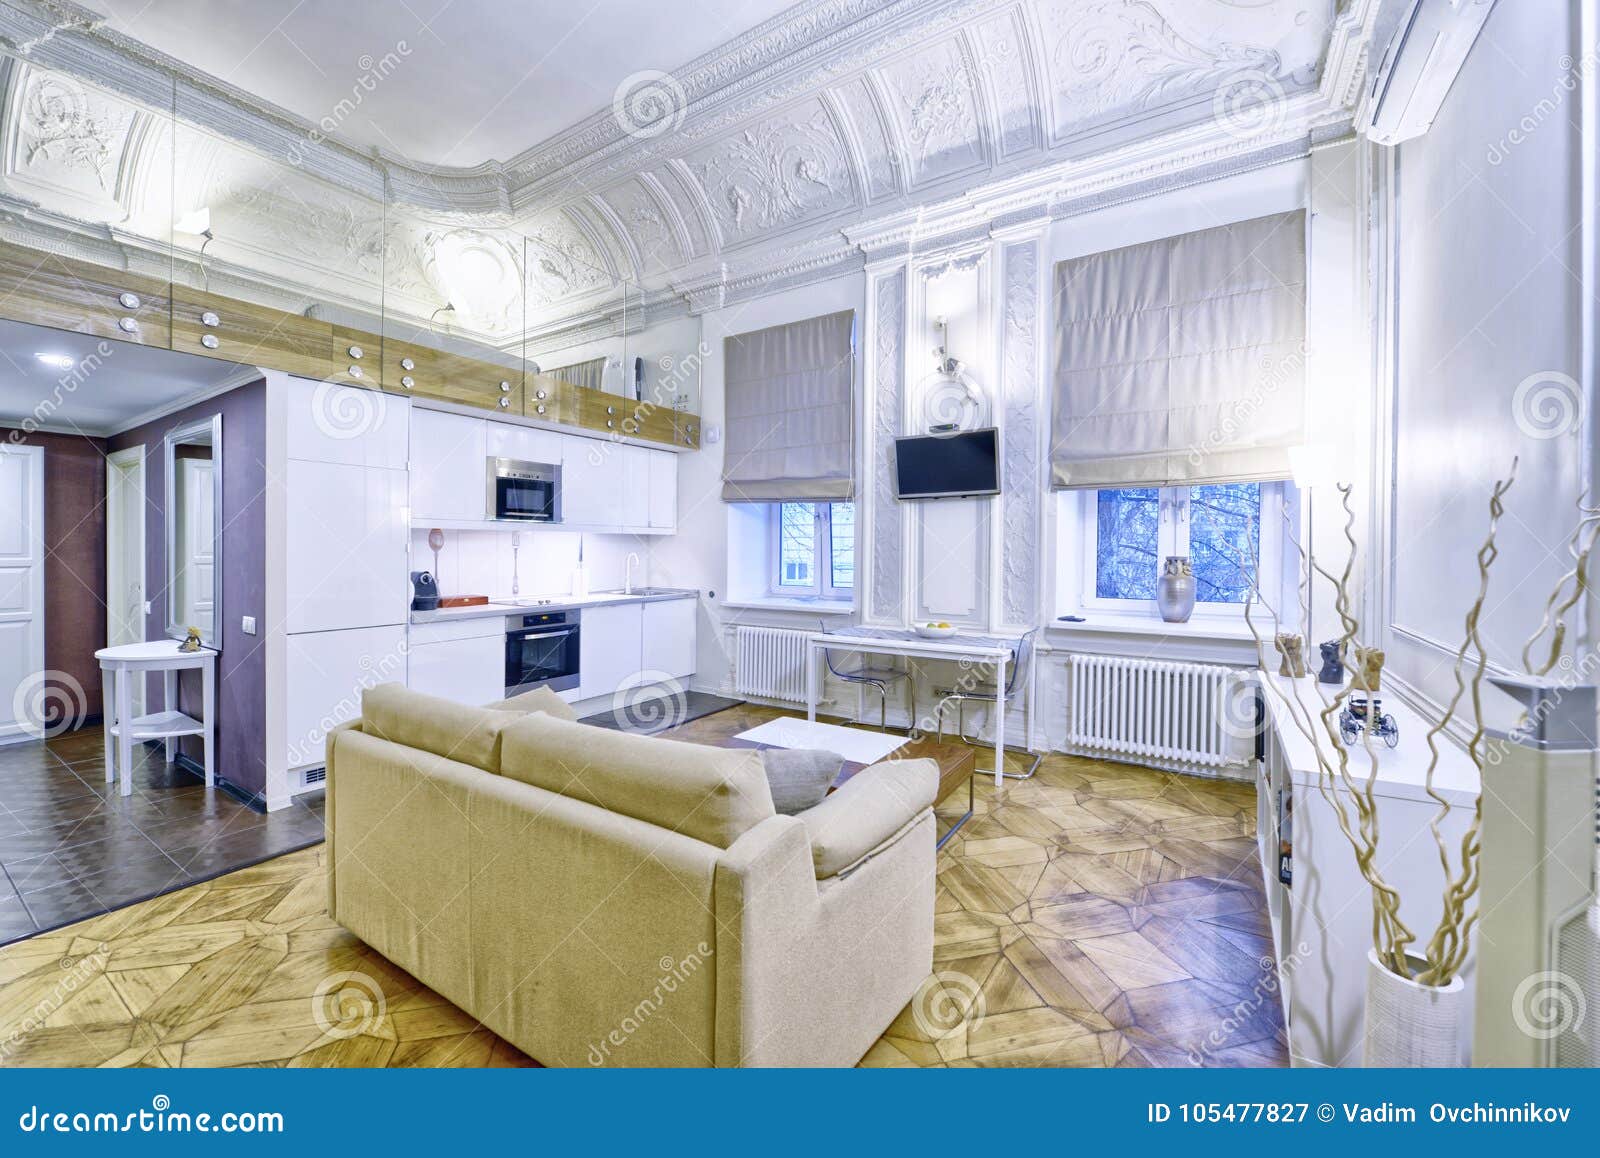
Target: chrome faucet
x=627 y=586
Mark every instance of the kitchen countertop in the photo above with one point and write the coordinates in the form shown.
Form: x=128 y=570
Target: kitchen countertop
x=557 y=603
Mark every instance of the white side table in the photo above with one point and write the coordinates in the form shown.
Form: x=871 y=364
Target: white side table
x=118 y=665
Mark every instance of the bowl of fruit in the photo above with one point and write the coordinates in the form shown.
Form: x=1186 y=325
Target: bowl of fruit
x=935 y=630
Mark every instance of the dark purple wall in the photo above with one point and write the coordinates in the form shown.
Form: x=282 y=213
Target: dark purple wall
x=242 y=665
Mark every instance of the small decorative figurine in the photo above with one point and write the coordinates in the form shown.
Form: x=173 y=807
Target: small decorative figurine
x=1332 y=667
x=1366 y=714
x=1369 y=669
x=1291 y=655
x=192 y=643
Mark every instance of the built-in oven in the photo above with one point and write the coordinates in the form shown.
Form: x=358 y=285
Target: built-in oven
x=542 y=651
x=524 y=491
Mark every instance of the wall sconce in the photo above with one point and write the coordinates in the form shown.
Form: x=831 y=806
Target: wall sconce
x=197 y=223
x=951 y=399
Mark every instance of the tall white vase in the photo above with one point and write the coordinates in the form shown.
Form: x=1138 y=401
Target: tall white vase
x=1411 y=1025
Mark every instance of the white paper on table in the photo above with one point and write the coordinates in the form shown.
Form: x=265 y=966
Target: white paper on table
x=856 y=745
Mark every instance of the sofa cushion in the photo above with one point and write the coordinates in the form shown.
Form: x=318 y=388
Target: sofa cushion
x=799 y=777
x=455 y=731
x=538 y=700
x=711 y=794
x=868 y=810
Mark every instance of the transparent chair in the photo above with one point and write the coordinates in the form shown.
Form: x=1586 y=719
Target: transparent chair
x=875 y=677
x=982 y=691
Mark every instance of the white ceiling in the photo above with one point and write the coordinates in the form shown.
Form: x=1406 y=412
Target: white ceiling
x=110 y=384
x=452 y=82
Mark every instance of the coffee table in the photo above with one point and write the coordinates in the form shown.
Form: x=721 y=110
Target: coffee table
x=957 y=764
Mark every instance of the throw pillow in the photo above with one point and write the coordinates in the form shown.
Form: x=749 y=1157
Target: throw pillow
x=538 y=700
x=799 y=777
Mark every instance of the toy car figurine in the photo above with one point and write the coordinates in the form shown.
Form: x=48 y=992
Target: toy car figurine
x=1359 y=714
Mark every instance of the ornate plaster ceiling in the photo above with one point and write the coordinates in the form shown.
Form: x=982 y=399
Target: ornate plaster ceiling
x=840 y=131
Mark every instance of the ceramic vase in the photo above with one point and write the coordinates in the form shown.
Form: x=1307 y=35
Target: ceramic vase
x=1411 y=1025
x=1175 y=590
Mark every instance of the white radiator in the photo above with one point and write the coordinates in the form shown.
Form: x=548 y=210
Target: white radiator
x=1162 y=711
x=770 y=662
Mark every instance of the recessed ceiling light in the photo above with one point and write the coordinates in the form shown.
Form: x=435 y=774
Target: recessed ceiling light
x=57 y=361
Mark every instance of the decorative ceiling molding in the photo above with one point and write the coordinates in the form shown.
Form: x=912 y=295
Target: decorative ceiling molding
x=841 y=132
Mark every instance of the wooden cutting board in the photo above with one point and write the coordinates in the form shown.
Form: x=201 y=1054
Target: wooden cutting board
x=463 y=600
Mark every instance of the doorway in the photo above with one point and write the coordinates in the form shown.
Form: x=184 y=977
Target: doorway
x=24 y=695
x=125 y=578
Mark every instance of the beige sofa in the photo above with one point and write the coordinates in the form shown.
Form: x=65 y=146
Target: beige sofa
x=600 y=898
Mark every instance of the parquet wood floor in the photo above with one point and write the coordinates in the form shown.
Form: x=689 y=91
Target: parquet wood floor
x=1097 y=915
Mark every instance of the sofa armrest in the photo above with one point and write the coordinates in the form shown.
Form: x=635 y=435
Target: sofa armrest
x=869 y=811
x=330 y=747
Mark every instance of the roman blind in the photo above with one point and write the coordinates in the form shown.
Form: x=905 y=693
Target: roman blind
x=1182 y=361
x=588 y=375
x=790 y=412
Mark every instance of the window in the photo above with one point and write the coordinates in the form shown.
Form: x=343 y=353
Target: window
x=814 y=549
x=1229 y=531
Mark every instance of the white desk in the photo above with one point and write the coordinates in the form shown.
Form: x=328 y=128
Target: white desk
x=974 y=650
x=117 y=666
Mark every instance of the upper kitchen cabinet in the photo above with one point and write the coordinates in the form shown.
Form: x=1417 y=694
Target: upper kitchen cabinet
x=453 y=311
x=272 y=249
x=86 y=186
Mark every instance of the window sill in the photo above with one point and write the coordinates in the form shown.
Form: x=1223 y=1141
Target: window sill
x=816 y=606
x=1103 y=624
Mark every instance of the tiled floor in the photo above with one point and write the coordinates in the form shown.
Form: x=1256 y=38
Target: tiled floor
x=71 y=846
x=1097 y=915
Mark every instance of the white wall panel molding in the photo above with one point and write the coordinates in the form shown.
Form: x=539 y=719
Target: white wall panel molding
x=877 y=511
x=1024 y=420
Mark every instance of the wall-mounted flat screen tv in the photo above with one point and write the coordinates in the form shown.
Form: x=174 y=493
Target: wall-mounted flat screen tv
x=960 y=464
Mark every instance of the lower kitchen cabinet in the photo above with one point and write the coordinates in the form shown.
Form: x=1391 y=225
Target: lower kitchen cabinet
x=669 y=639
x=327 y=672
x=463 y=661
x=610 y=648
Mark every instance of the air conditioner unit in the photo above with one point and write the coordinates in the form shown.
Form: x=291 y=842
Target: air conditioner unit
x=1538 y=968
x=1419 y=46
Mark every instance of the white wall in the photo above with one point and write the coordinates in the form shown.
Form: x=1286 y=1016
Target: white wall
x=481 y=562
x=1489 y=313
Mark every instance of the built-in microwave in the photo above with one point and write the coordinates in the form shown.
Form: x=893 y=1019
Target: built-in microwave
x=524 y=491
x=542 y=651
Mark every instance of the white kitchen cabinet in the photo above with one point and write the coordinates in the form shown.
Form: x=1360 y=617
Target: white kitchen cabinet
x=591 y=482
x=610 y=653
x=669 y=639
x=634 y=464
x=345 y=558
x=463 y=661
x=327 y=672
x=327 y=422
x=449 y=472
x=663 y=490
x=505 y=440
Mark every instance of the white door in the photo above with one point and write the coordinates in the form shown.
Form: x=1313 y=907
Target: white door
x=125 y=613
x=197 y=545
x=591 y=482
x=469 y=671
x=634 y=463
x=23 y=695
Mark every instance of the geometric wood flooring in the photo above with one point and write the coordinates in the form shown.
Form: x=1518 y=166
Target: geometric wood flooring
x=1098 y=915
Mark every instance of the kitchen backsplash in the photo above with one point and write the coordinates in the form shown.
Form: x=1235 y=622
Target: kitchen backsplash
x=480 y=562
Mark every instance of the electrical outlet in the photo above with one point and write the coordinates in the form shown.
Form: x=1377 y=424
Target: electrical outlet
x=249 y=624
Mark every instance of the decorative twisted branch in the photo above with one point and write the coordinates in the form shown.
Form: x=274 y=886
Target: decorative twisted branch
x=1555 y=612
